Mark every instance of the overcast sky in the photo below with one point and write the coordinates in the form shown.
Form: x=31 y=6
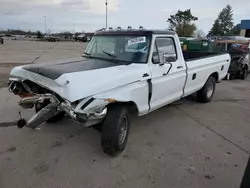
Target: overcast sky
x=89 y=15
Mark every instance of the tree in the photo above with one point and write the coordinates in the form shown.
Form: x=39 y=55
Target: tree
x=223 y=25
x=48 y=32
x=67 y=35
x=182 y=24
x=39 y=34
x=216 y=28
x=236 y=29
x=200 y=33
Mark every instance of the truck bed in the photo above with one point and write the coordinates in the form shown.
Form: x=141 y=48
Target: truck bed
x=190 y=56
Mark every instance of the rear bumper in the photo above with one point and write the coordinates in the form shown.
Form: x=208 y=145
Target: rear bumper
x=235 y=68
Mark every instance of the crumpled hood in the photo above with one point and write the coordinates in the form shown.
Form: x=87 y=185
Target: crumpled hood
x=81 y=78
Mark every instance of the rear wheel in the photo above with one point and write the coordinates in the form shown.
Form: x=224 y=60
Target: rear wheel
x=244 y=73
x=115 y=130
x=59 y=116
x=205 y=95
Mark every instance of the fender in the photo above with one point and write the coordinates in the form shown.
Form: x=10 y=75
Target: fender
x=136 y=92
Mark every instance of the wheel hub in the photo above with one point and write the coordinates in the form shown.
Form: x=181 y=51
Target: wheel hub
x=210 y=89
x=123 y=130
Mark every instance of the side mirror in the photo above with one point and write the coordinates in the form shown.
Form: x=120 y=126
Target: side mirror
x=155 y=58
x=168 y=58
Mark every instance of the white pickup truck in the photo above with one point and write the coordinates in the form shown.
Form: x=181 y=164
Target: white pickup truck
x=121 y=71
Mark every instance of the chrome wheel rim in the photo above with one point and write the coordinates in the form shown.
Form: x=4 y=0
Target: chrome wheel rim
x=123 y=130
x=210 y=89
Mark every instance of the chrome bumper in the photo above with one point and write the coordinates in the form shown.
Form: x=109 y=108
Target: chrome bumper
x=87 y=119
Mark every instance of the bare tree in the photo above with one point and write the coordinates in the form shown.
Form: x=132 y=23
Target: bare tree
x=199 y=33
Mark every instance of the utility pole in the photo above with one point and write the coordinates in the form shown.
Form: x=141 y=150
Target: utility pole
x=45 y=25
x=106 y=13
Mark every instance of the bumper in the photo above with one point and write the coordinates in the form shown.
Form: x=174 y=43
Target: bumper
x=235 y=68
x=55 y=106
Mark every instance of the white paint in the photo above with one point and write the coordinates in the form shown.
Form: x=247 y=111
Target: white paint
x=168 y=88
x=86 y=83
x=127 y=84
x=203 y=69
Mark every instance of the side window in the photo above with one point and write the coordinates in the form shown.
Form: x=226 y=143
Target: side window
x=164 y=47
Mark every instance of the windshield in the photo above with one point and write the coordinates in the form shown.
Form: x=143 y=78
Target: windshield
x=133 y=49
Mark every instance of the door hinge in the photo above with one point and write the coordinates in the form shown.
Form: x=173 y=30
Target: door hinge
x=145 y=75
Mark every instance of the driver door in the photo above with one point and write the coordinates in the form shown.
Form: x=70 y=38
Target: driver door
x=168 y=72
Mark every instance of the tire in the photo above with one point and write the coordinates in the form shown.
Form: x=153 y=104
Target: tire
x=54 y=119
x=206 y=94
x=244 y=73
x=115 y=130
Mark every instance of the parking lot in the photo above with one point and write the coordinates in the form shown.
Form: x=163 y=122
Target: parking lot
x=183 y=145
x=14 y=53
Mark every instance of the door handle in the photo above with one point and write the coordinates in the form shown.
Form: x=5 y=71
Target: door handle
x=179 y=67
x=145 y=75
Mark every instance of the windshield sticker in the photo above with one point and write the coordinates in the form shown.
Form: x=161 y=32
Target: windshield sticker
x=136 y=40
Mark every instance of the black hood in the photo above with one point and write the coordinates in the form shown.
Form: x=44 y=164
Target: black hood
x=54 y=70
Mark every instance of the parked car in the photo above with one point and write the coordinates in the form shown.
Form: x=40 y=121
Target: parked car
x=52 y=38
x=81 y=38
x=240 y=57
x=239 y=38
x=104 y=86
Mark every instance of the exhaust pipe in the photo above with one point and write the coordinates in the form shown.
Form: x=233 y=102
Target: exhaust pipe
x=29 y=101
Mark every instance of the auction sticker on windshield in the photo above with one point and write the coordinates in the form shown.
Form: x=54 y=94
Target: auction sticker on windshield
x=137 y=40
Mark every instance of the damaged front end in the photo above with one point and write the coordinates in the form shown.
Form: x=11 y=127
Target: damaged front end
x=88 y=111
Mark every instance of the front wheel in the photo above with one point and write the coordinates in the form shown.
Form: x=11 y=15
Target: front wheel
x=206 y=94
x=115 y=130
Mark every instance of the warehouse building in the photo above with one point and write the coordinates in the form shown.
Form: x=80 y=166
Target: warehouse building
x=245 y=28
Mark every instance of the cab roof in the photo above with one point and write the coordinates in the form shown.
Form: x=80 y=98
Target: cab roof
x=134 y=32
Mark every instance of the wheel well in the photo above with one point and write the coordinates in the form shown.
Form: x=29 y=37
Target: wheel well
x=215 y=75
x=132 y=107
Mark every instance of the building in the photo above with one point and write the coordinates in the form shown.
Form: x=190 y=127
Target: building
x=245 y=28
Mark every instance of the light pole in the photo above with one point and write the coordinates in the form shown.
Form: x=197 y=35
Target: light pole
x=106 y=13
x=45 y=25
